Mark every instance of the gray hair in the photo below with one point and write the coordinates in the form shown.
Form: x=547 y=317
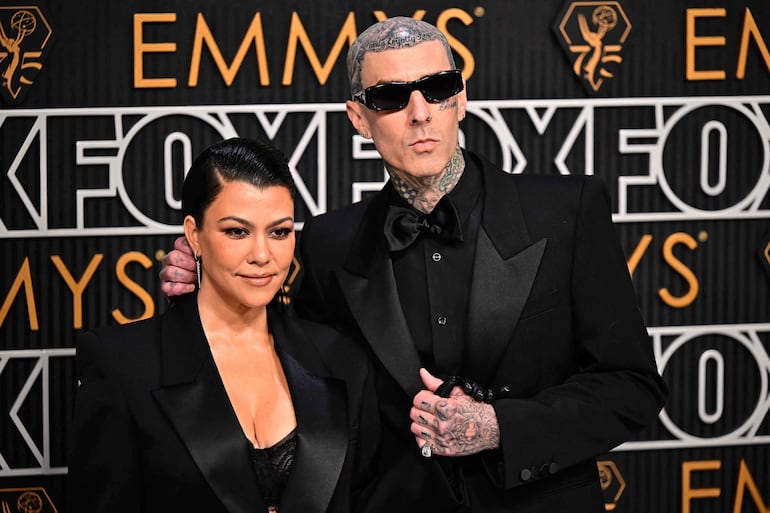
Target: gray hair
x=390 y=34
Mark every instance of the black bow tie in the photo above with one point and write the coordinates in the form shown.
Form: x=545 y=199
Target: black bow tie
x=404 y=224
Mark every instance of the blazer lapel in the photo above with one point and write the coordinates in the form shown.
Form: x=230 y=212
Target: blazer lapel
x=369 y=286
x=506 y=260
x=322 y=432
x=194 y=399
x=320 y=407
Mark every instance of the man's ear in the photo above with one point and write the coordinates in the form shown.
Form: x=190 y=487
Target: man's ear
x=356 y=117
x=462 y=101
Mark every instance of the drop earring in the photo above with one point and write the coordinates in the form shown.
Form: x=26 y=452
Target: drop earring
x=198 y=268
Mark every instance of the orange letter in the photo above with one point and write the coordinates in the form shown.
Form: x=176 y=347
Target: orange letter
x=683 y=270
x=24 y=276
x=144 y=297
x=203 y=33
x=469 y=62
x=77 y=288
x=688 y=492
x=750 y=28
x=638 y=253
x=746 y=481
x=297 y=33
x=140 y=48
x=691 y=40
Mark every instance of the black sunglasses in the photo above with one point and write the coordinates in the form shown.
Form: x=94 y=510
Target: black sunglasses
x=395 y=95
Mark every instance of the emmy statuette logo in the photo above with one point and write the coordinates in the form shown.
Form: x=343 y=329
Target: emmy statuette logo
x=25 y=500
x=592 y=35
x=24 y=40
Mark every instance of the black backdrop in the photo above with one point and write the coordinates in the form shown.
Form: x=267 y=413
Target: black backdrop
x=104 y=103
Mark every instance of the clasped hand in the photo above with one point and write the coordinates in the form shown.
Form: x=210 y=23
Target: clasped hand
x=456 y=425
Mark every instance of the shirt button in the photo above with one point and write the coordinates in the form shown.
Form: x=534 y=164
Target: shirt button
x=441 y=320
x=436 y=257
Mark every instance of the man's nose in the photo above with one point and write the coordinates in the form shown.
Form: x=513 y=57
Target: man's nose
x=419 y=107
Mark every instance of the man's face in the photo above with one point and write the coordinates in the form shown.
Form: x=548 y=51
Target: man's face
x=418 y=140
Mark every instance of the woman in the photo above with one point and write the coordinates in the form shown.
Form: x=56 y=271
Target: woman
x=225 y=403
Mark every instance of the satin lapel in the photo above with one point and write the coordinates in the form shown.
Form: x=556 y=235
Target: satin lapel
x=374 y=303
x=194 y=400
x=321 y=410
x=369 y=286
x=505 y=267
x=498 y=294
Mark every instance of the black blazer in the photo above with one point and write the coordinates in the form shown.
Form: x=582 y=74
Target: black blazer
x=553 y=315
x=154 y=430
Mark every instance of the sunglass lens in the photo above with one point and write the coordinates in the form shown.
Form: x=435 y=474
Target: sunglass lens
x=389 y=96
x=441 y=86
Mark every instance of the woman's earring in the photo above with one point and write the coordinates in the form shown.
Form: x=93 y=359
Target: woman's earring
x=198 y=268
x=283 y=297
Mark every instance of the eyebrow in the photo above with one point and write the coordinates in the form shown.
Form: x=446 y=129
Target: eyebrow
x=250 y=225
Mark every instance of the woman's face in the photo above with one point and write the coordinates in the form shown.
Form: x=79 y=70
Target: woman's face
x=246 y=244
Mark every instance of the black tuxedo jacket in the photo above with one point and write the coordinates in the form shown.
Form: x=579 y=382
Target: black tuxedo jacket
x=553 y=315
x=154 y=430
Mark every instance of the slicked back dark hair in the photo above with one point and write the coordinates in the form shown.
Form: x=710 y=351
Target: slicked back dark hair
x=251 y=161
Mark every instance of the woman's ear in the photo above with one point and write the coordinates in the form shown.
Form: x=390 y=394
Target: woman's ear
x=191 y=234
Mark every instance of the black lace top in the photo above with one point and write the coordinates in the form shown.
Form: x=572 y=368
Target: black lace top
x=273 y=466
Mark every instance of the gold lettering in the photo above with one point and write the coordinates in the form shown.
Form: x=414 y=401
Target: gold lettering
x=469 y=62
x=228 y=73
x=140 y=48
x=24 y=277
x=746 y=480
x=688 y=492
x=683 y=270
x=692 y=41
x=131 y=285
x=638 y=253
x=77 y=287
x=750 y=29
x=297 y=33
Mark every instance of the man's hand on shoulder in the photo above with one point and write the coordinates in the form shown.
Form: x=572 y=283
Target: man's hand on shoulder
x=178 y=274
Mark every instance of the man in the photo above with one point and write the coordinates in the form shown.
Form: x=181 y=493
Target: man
x=512 y=287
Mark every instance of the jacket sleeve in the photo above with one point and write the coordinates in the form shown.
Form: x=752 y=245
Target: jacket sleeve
x=309 y=300
x=615 y=390
x=365 y=477
x=104 y=467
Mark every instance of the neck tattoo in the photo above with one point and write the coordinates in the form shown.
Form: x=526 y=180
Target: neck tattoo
x=424 y=193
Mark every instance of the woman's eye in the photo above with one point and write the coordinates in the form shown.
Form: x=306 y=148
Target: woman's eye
x=236 y=232
x=281 y=233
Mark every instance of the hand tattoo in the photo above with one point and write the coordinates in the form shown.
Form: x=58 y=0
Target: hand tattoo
x=466 y=426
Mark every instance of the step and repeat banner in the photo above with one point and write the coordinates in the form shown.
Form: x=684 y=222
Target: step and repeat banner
x=104 y=105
